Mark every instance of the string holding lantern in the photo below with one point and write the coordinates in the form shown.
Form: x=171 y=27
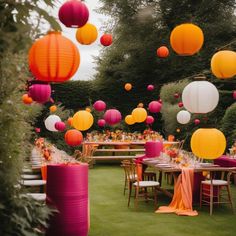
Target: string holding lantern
x=139 y=115
x=99 y=105
x=112 y=116
x=106 y=40
x=129 y=120
x=87 y=34
x=73 y=14
x=154 y=106
x=82 y=120
x=186 y=39
x=53 y=58
x=26 y=99
x=162 y=52
x=183 y=117
x=200 y=97
x=128 y=86
x=208 y=143
x=73 y=137
x=223 y=64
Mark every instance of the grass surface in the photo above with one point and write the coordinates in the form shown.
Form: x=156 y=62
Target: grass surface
x=110 y=215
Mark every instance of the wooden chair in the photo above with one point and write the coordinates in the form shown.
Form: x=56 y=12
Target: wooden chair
x=134 y=179
x=213 y=191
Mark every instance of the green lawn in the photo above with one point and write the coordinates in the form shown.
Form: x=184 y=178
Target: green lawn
x=110 y=215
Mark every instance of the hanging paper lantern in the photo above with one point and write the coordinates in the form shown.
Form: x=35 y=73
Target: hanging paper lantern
x=223 y=64
x=106 y=40
x=140 y=105
x=73 y=137
x=129 y=120
x=234 y=94
x=139 y=115
x=69 y=121
x=150 y=87
x=82 y=120
x=183 y=117
x=128 y=86
x=73 y=14
x=112 y=116
x=163 y=52
x=37 y=130
x=26 y=99
x=51 y=121
x=60 y=126
x=178 y=130
x=87 y=34
x=40 y=93
x=200 y=97
x=54 y=58
x=160 y=101
x=154 y=106
x=208 y=143
x=101 y=122
x=99 y=105
x=149 y=120
x=53 y=108
x=180 y=104
x=87 y=109
x=186 y=39
x=176 y=95
x=197 y=121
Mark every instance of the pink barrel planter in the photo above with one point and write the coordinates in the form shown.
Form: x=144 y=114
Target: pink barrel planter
x=153 y=148
x=67 y=191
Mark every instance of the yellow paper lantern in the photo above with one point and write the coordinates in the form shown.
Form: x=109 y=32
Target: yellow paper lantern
x=53 y=108
x=87 y=34
x=186 y=39
x=82 y=120
x=128 y=87
x=139 y=115
x=208 y=143
x=223 y=64
x=140 y=105
x=129 y=120
x=88 y=109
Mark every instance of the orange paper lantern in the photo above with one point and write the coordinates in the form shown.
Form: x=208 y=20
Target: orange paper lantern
x=128 y=87
x=163 y=52
x=54 y=58
x=26 y=99
x=69 y=121
x=186 y=39
x=87 y=34
x=53 y=108
x=73 y=137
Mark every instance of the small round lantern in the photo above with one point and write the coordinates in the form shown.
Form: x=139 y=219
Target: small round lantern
x=149 y=120
x=183 y=117
x=129 y=120
x=106 y=40
x=140 y=105
x=53 y=108
x=150 y=87
x=154 y=106
x=200 y=97
x=51 y=121
x=73 y=137
x=26 y=99
x=180 y=104
x=40 y=93
x=82 y=120
x=69 y=121
x=87 y=34
x=74 y=14
x=112 y=116
x=197 y=121
x=186 y=39
x=208 y=143
x=176 y=95
x=54 y=58
x=101 y=123
x=128 y=86
x=88 y=109
x=163 y=52
x=234 y=94
x=223 y=64
x=99 y=105
x=139 y=115
x=60 y=126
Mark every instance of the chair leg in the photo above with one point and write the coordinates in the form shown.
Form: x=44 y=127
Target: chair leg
x=125 y=185
x=136 y=196
x=130 y=192
x=155 y=198
x=211 y=199
x=160 y=177
x=230 y=197
x=200 y=196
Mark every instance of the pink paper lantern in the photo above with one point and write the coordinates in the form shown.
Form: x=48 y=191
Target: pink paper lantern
x=101 y=122
x=37 y=130
x=197 y=121
x=40 y=93
x=149 y=120
x=176 y=95
x=73 y=14
x=180 y=104
x=60 y=126
x=150 y=87
x=99 y=105
x=154 y=106
x=112 y=116
x=234 y=94
x=160 y=101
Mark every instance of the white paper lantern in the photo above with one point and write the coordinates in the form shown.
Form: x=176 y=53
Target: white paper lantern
x=200 y=97
x=51 y=121
x=183 y=117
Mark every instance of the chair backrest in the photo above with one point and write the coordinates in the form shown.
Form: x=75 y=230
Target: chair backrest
x=130 y=170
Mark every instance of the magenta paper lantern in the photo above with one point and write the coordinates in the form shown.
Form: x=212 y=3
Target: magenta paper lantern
x=37 y=130
x=99 y=105
x=60 y=126
x=101 y=122
x=176 y=95
x=40 y=93
x=160 y=101
x=154 y=106
x=150 y=87
x=180 y=104
x=73 y=14
x=112 y=116
x=149 y=120
x=234 y=94
x=197 y=121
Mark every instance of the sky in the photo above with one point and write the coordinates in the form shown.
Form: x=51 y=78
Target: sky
x=87 y=70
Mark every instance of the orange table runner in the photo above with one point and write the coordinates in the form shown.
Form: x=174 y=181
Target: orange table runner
x=181 y=203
